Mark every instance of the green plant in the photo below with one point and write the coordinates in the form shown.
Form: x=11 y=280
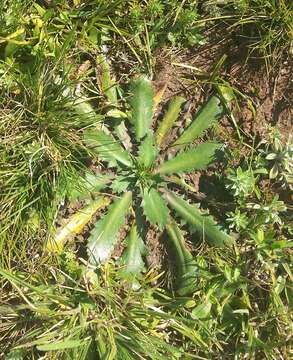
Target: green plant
x=242 y=182
x=280 y=160
x=76 y=313
x=264 y=26
x=41 y=150
x=149 y=183
x=167 y=22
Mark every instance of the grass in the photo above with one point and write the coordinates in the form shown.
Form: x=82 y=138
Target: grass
x=265 y=28
x=58 y=61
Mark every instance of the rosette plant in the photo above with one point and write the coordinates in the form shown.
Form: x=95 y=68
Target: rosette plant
x=142 y=179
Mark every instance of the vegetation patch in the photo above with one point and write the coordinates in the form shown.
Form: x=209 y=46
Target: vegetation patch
x=145 y=179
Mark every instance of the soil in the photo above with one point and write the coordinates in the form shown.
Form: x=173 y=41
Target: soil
x=270 y=92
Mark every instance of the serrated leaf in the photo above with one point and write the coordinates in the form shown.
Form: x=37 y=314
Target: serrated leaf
x=106 y=83
x=193 y=159
x=142 y=106
x=74 y=225
x=207 y=116
x=187 y=270
x=107 y=148
x=155 y=208
x=120 y=184
x=169 y=119
x=88 y=185
x=204 y=225
x=147 y=152
x=132 y=257
x=105 y=233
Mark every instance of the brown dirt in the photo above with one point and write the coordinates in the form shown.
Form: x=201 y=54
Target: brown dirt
x=270 y=92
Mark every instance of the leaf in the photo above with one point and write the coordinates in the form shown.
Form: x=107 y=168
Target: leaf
x=207 y=116
x=203 y=224
x=107 y=148
x=107 y=85
x=201 y=311
x=75 y=225
x=158 y=96
x=88 y=185
x=85 y=111
x=121 y=183
x=61 y=345
x=187 y=270
x=155 y=208
x=169 y=119
x=13 y=45
x=15 y=354
x=147 y=152
x=132 y=257
x=105 y=233
x=142 y=106
x=274 y=171
x=193 y=159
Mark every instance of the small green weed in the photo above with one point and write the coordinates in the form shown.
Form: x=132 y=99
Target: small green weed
x=147 y=182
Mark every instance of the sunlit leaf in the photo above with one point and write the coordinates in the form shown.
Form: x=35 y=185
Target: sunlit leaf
x=142 y=106
x=155 y=208
x=105 y=233
x=202 y=311
x=193 y=159
x=61 y=345
x=106 y=83
x=106 y=147
x=206 y=117
x=132 y=258
x=169 y=119
x=75 y=225
x=147 y=151
x=204 y=225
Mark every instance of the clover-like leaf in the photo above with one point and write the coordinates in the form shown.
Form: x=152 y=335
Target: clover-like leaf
x=142 y=106
x=107 y=148
x=205 y=226
x=104 y=235
x=155 y=208
x=206 y=117
x=193 y=159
